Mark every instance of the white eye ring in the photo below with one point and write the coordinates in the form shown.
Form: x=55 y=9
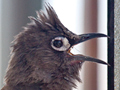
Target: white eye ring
x=60 y=43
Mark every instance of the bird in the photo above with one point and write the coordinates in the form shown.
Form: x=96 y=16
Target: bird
x=41 y=57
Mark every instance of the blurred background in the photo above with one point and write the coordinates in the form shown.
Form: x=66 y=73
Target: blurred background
x=79 y=16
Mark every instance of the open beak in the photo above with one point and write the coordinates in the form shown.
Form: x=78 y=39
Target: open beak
x=84 y=37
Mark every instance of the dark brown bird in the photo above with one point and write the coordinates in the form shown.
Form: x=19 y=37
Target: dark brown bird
x=41 y=57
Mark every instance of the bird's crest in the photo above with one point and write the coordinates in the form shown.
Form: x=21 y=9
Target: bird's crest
x=48 y=20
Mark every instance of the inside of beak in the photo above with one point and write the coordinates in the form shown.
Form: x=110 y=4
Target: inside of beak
x=85 y=37
x=78 y=58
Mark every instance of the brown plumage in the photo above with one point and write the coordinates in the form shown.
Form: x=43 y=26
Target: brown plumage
x=41 y=57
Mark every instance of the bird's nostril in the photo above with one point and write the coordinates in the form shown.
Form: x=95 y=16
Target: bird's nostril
x=86 y=37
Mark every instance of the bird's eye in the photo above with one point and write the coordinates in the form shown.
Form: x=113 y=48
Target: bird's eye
x=60 y=43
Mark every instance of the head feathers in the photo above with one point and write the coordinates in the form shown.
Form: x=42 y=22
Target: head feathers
x=47 y=21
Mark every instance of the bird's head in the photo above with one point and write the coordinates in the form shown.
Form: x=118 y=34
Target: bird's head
x=41 y=52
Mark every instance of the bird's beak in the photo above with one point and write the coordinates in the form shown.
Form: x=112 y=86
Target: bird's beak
x=84 y=37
